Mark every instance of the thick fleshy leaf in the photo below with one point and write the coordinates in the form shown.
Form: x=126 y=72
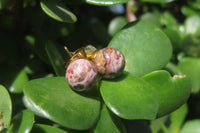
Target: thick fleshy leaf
x=140 y=42
x=116 y=24
x=58 y=11
x=55 y=59
x=53 y=99
x=177 y=118
x=18 y=81
x=109 y=123
x=106 y=2
x=22 y=122
x=173 y=91
x=191 y=67
x=5 y=107
x=191 y=126
x=41 y=128
x=130 y=97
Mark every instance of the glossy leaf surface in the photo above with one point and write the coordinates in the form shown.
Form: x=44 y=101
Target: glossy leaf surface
x=18 y=81
x=191 y=67
x=55 y=58
x=173 y=91
x=22 y=122
x=5 y=106
x=106 y=2
x=53 y=99
x=109 y=123
x=130 y=97
x=58 y=11
x=140 y=42
x=41 y=128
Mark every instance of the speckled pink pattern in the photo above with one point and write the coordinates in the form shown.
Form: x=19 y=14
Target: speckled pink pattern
x=110 y=62
x=81 y=74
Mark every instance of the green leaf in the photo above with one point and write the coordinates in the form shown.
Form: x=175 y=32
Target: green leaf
x=158 y=1
x=18 y=81
x=106 y=2
x=177 y=118
x=188 y=11
x=58 y=11
x=191 y=68
x=116 y=24
x=130 y=97
x=41 y=128
x=192 y=25
x=191 y=126
x=173 y=91
x=53 y=99
x=55 y=58
x=109 y=123
x=5 y=107
x=145 y=47
x=153 y=17
x=22 y=122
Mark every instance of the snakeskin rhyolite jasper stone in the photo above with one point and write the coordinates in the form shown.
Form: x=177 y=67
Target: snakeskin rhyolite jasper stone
x=82 y=74
x=110 y=62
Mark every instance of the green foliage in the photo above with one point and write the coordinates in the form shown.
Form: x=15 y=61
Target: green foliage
x=162 y=55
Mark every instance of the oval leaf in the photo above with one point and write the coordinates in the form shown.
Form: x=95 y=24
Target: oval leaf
x=52 y=98
x=5 y=107
x=145 y=47
x=130 y=97
x=106 y=2
x=57 y=10
x=109 y=123
x=18 y=81
x=22 y=122
x=168 y=87
x=41 y=128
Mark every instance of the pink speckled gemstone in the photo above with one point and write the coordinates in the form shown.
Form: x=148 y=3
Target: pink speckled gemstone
x=82 y=74
x=110 y=62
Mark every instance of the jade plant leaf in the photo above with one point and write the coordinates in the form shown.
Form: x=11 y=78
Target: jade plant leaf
x=22 y=122
x=109 y=123
x=173 y=91
x=53 y=99
x=55 y=58
x=191 y=67
x=5 y=107
x=106 y=2
x=58 y=11
x=145 y=47
x=130 y=97
x=41 y=128
x=18 y=81
x=191 y=126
